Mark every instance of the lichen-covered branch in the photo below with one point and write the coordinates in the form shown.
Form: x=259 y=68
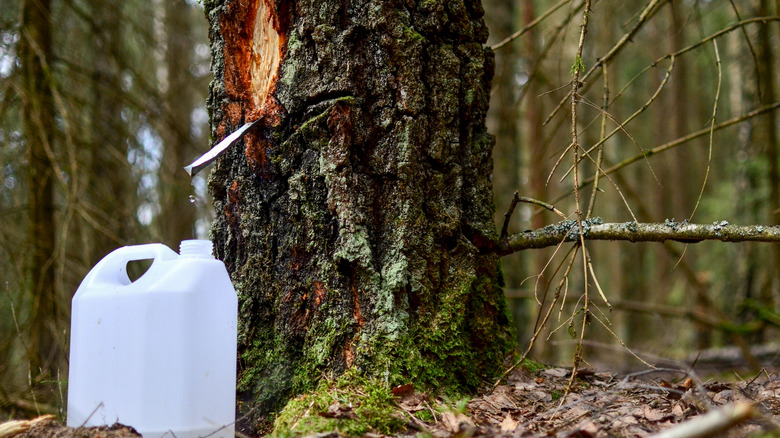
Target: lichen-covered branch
x=595 y=229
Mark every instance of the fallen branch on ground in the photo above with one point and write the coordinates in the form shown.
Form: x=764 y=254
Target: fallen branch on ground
x=16 y=427
x=711 y=423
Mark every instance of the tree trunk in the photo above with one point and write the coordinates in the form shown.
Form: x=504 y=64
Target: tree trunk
x=502 y=18
x=537 y=166
x=767 y=75
x=355 y=217
x=35 y=52
x=111 y=196
x=176 y=221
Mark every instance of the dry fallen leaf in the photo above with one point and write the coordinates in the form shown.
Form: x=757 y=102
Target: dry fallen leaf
x=580 y=433
x=509 y=423
x=607 y=406
x=653 y=415
x=414 y=402
x=453 y=421
x=556 y=372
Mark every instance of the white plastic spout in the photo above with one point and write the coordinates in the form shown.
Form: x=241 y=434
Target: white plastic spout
x=196 y=248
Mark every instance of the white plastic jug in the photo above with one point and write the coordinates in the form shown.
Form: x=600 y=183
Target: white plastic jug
x=158 y=353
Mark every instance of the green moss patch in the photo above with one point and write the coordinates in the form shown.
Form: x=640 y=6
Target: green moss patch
x=352 y=405
x=533 y=366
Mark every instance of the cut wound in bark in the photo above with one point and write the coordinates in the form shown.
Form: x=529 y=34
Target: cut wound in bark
x=252 y=51
x=266 y=52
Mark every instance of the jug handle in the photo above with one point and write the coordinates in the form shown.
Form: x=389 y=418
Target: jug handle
x=112 y=269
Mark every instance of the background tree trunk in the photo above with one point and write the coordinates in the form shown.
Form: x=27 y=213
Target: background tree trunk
x=354 y=215
x=767 y=77
x=176 y=221
x=35 y=52
x=503 y=121
x=112 y=201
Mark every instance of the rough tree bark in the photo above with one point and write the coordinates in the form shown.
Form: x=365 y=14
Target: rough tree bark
x=355 y=218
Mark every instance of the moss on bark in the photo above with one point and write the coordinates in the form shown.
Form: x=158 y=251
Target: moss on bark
x=354 y=218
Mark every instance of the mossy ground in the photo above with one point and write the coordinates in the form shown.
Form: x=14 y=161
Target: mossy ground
x=533 y=366
x=352 y=405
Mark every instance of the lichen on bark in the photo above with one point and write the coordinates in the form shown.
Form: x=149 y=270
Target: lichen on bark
x=355 y=218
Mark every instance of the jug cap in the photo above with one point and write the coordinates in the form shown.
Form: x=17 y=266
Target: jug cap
x=196 y=248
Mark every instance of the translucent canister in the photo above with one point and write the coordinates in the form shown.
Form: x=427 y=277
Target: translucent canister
x=157 y=353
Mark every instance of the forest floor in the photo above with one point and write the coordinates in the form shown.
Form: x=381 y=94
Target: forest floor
x=602 y=404
x=532 y=402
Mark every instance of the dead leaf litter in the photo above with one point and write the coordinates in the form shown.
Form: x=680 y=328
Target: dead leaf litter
x=600 y=404
x=606 y=405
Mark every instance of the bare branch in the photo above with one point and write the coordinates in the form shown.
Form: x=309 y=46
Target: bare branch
x=647 y=12
x=517 y=199
x=508 y=216
x=603 y=133
x=682 y=140
x=542 y=204
x=575 y=84
x=621 y=126
x=712 y=131
x=594 y=229
x=626 y=38
x=531 y=25
x=752 y=50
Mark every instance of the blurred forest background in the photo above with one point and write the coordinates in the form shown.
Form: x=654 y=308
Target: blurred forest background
x=102 y=104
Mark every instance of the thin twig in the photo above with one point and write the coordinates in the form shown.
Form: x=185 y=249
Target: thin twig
x=547 y=287
x=568 y=321
x=712 y=131
x=677 y=54
x=530 y=25
x=682 y=140
x=596 y=281
x=541 y=204
x=538 y=61
x=602 y=134
x=617 y=188
x=643 y=17
x=752 y=50
x=575 y=84
x=517 y=199
x=508 y=216
x=621 y=126
x=622 y=344
x=541 y=325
